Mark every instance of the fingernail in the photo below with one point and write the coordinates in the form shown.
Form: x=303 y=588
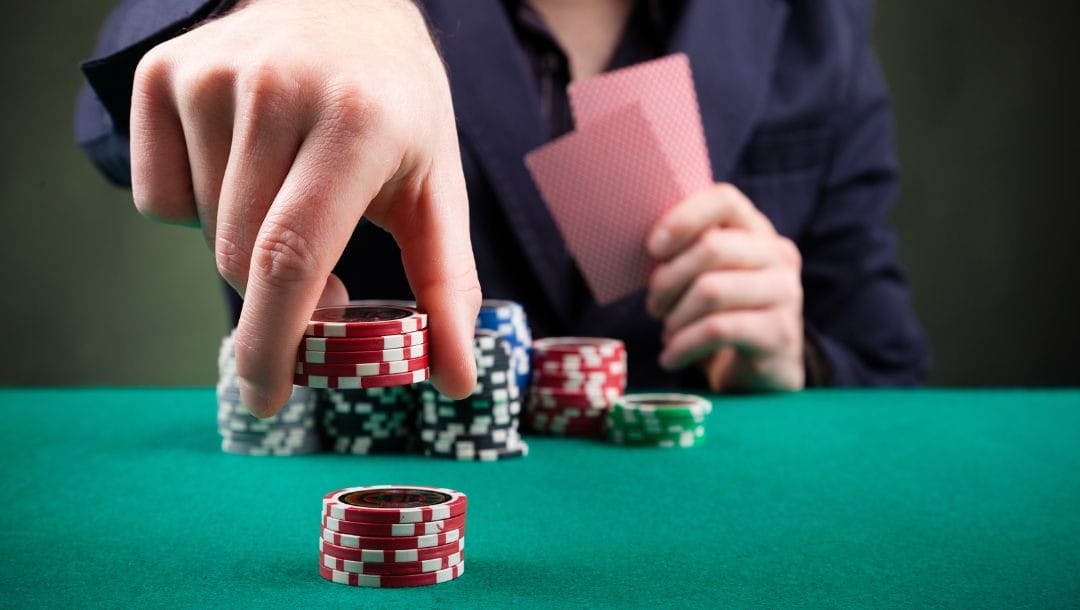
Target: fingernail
x=659 y=242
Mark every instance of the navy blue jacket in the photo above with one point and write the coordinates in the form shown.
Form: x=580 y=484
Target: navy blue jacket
x=796 y=114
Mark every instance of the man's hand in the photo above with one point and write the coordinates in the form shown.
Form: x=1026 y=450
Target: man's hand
x=275 y=128
x=729 y=291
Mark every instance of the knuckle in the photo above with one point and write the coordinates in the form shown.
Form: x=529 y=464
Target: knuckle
x=284 y=258
x=713 y=241
x=151 y=74
x=231 y=260
x=202 y=87
x=711 y=289
x=790 y=252
x=472 y=295
x=267 y=89
x=717 y=328
x=726 y=191
x=659 y=279
x=349 y=111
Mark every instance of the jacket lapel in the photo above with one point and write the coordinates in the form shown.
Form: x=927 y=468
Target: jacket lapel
x=498 y=113
x=732 y=46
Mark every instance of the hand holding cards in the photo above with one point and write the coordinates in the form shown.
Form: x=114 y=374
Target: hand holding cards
x=635 y=172
x=639 y=149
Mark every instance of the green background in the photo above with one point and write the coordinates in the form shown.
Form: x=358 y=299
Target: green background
x=985 y=94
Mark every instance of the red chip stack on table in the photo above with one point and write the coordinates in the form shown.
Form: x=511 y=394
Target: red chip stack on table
x=392 y=536
x=358 y=346
x=575 y=380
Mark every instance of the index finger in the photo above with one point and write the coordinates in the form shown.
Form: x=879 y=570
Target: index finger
x=303 y=235
x=437 y=252
x=718 y=205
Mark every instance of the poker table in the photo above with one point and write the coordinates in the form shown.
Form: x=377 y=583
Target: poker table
x=122 y=497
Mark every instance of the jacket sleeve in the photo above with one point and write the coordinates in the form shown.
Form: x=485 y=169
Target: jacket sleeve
x=858 y=308
x=104 y=102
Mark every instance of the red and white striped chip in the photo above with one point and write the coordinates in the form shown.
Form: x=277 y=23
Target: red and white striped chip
x=391 y=542
x=362 y=369
x=364 y=321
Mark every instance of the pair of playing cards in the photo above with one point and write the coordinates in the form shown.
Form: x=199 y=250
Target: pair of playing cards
x=637 y=150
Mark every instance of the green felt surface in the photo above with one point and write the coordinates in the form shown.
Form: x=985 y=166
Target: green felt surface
x=122 y=498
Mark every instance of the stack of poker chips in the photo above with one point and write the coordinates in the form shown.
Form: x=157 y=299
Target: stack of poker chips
x=575 y=381
x=508 y=319
x=369 y=421
x=485 y=425
x=292 y=431
x=658 y=420
x=392 y=536
x=360 y=346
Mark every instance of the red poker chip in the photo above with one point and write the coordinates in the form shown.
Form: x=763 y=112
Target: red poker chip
x=359 y=383
x=596 y=388
x=386 y=355
x=364 y=344
x=364 y=321
x=587 y=347
x=394 y=504
x=392 y=542
x=550 y=397
x=408 y=580
x=546 y=366
x=362 y=369
x=424 y=528
x=391 y=556
x=579 y=377
x=390 y=569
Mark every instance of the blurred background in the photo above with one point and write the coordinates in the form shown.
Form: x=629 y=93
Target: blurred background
x=985 y=95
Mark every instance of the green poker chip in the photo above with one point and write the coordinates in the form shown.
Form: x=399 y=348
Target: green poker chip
x=658 y=420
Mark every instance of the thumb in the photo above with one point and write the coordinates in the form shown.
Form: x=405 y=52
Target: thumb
x=334 y=293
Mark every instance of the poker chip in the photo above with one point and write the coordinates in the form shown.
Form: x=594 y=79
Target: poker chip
x=401 y=535
x=408 y=580
x=394 y=504
x=391 y=542
x=357 y=383
x=485 y=425
x=575 y=381
x=391 y=556
x=292 y=431
x=387 y=355
x=361 y=346
x=586 y=348
x=658 y=420
x=390 y=569
x=508 y=319
x=424 y=528
x=363 y=369
x=371 y=420
x=364 y=344
x=364 y=321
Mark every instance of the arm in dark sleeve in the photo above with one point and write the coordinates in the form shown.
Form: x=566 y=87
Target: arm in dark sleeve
x=104 y=102
x=858 y=310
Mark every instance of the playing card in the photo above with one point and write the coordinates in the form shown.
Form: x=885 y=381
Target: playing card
x=606 y=185
x=665 y=89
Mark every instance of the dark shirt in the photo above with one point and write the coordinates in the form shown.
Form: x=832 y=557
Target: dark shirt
x=644 y=37
x=796 y=114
